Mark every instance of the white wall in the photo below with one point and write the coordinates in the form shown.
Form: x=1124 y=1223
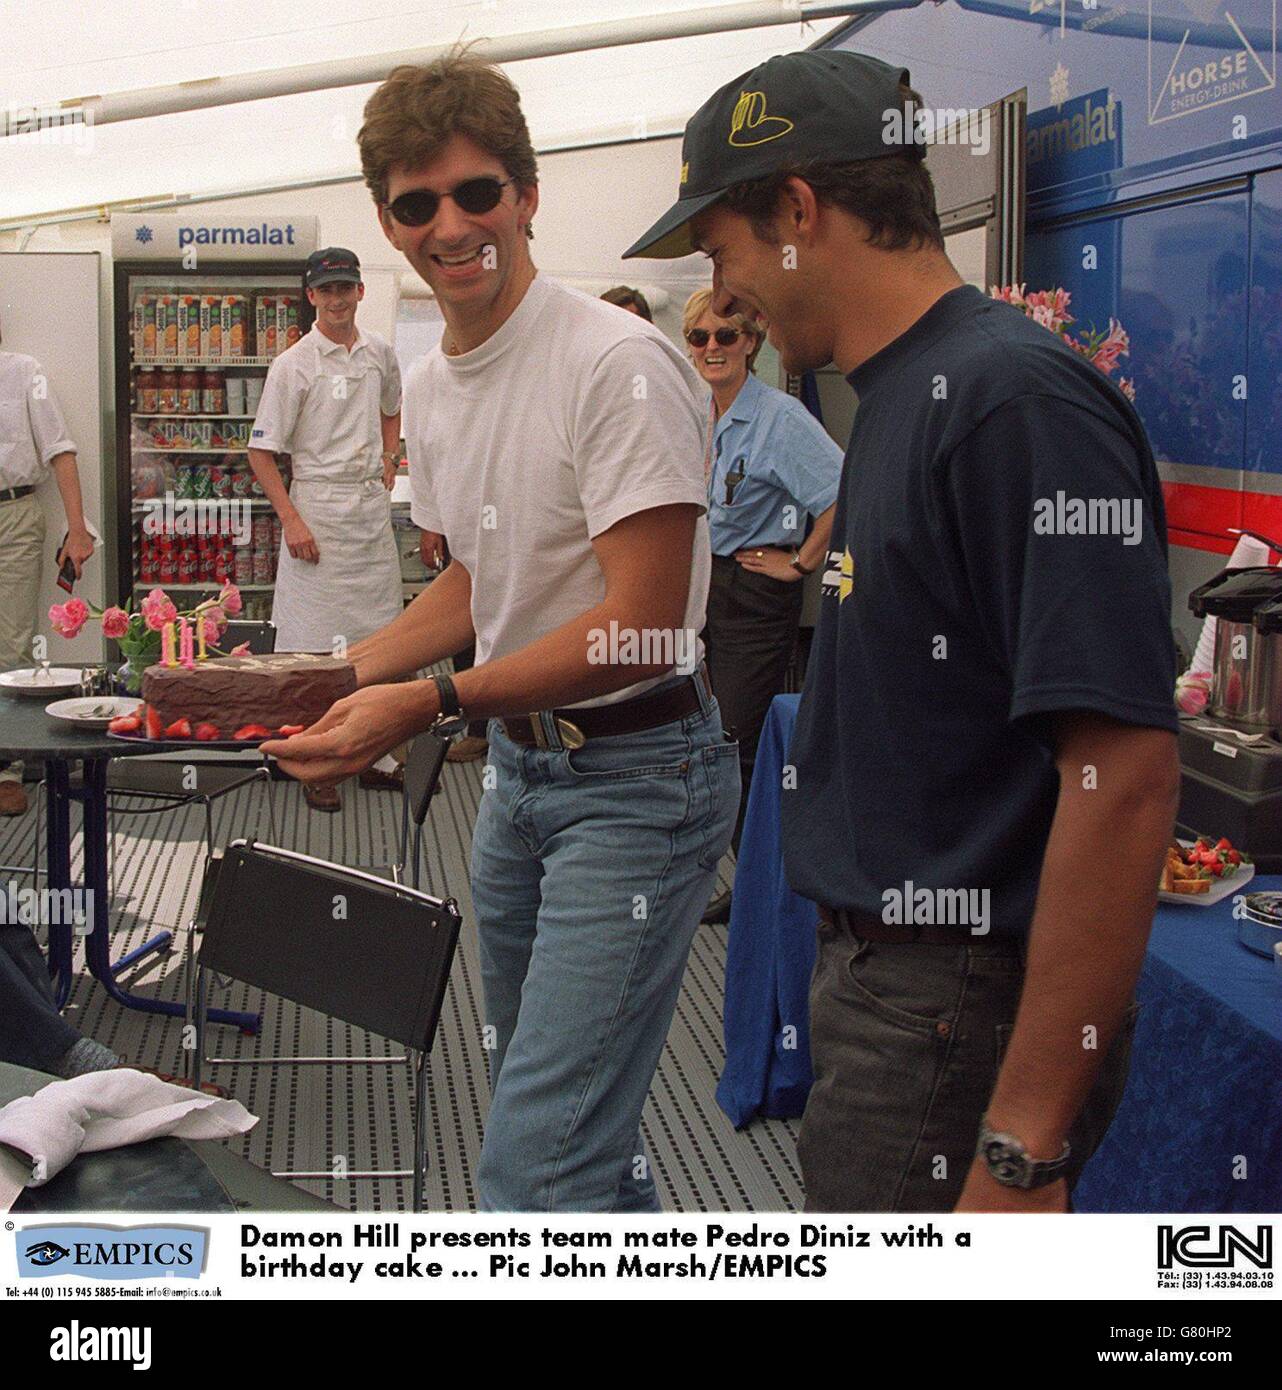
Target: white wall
x=47 y=311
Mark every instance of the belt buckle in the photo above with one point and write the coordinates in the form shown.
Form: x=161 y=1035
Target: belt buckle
x=572 y=736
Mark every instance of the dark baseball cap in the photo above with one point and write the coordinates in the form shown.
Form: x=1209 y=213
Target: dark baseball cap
x=333 y=263
x=817 y=104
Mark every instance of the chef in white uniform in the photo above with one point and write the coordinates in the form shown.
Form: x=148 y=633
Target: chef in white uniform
x=333 y=402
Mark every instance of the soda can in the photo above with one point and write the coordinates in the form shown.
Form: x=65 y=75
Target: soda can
x=167 y=561
x=262 y=564
x=219 y=480
x=188 y=562
x=202 y=481
x=262 y=531
x=240 y=477
x=243 y=564
x=183 y=482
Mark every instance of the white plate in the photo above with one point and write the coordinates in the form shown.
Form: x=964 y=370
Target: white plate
x=32 y=682
x=1219 y=890
x=80 y=712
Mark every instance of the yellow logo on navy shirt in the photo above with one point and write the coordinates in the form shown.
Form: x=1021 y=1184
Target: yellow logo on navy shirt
x=846 y=584
x=749 y=124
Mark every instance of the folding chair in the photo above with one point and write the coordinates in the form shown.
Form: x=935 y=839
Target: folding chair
x=359 y=948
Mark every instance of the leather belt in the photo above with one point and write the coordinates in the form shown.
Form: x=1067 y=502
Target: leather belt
x=646 y=711
x=871 y=928
x=11 y=494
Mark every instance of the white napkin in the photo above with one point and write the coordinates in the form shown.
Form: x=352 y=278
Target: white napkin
x=1246 y=553
x=103 y=1110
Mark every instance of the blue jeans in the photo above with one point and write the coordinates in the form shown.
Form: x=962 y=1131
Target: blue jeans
x=590 y=870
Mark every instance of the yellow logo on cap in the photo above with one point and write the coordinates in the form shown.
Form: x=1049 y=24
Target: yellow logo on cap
x=846 y=584
x=685 y=172
x=749 y=124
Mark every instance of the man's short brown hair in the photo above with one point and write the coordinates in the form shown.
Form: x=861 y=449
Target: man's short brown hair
x=893 y=194
x=413 y=115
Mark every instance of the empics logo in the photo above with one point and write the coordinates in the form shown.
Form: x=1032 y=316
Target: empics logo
x=77 y=1343
x=1195 y=1248
x=111 y=1252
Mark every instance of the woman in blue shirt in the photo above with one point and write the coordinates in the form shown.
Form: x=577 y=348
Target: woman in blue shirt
x=770 y=467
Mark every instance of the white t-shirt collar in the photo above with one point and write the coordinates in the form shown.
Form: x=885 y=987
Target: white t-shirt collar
x=518 y=322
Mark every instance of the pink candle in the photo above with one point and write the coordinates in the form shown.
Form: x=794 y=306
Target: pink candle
x=167 y=644
x=186 y=644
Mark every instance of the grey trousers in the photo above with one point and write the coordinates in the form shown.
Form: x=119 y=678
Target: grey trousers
x=906 y=1041
x=32 y=1031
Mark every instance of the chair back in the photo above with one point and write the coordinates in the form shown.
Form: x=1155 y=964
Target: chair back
x=260 y=636
x=423 y=764
x=359 y=948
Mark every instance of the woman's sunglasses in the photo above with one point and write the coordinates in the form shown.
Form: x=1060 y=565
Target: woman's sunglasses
x=417 y=207
x=698 y=337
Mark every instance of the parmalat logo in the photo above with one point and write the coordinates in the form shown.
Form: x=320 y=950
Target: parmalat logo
x=112 y=1252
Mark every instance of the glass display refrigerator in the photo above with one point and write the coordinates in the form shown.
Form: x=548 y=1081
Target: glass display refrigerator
x=192 y=350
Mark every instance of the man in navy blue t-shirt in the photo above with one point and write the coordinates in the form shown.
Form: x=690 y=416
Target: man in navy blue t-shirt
x=986 y=767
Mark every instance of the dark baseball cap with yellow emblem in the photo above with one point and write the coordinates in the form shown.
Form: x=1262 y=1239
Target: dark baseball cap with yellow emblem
x=818 y=104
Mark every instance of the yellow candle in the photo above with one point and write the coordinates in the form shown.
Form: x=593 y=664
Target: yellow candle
x=201 y=653
x=167 y=644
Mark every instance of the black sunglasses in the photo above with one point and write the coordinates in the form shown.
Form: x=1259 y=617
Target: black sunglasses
x=698 y=337
x=417 y=207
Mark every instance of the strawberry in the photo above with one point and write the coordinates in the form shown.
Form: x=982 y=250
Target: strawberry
x=1202 y=844
x=206 y=732
x=1235 y=857
x=1217 y=869
x=1223 y=843
x=1208 y=857
x=125 y=724
x=180 y=728
x=248 y=731
x=289 y=730
x=155 y=729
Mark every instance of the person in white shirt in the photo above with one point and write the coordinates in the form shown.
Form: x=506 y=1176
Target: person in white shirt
x=33 y=443
x=333 y=401
x=557 y=443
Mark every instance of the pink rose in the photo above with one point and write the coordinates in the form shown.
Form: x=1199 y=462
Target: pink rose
x=1192 y=690
x=115 y=622
x=157 y=610
x=241 y=650
x=214 y=624
x=230 y=600
x=68 y=618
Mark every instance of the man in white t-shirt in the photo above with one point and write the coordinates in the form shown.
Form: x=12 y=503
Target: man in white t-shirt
x=557 y=443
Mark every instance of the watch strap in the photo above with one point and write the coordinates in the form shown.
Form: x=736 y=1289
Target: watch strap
x=451 y=707
x=1009 y=1162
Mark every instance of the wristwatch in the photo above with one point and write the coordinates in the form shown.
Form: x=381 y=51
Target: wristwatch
x=1009 y=1163
x=451 y=720
x=794 y=560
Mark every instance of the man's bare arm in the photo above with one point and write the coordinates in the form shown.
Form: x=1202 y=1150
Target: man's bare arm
x=1119 y=790
x=645 y=560
x=437 y=624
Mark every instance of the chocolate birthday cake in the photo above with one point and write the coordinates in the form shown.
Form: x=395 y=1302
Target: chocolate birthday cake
x=231 y=692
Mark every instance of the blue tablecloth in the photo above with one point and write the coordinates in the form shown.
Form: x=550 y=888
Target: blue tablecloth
x=1200 y=1126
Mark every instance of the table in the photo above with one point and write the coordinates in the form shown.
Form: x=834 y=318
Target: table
x=1200 y=1125
x=28 y=733
x=157 y=1175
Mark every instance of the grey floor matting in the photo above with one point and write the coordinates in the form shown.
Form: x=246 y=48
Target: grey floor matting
x=311 y=1115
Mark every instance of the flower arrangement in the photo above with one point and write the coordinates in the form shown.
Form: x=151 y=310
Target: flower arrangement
x=142 y=634
x=1050 y=309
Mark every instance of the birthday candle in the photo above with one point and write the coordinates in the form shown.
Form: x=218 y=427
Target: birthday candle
x=201 y=653
x=167 y=644
x=186 y=653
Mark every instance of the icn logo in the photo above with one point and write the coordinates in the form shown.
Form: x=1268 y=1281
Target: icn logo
x=47 y=1252
x=142 y=234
